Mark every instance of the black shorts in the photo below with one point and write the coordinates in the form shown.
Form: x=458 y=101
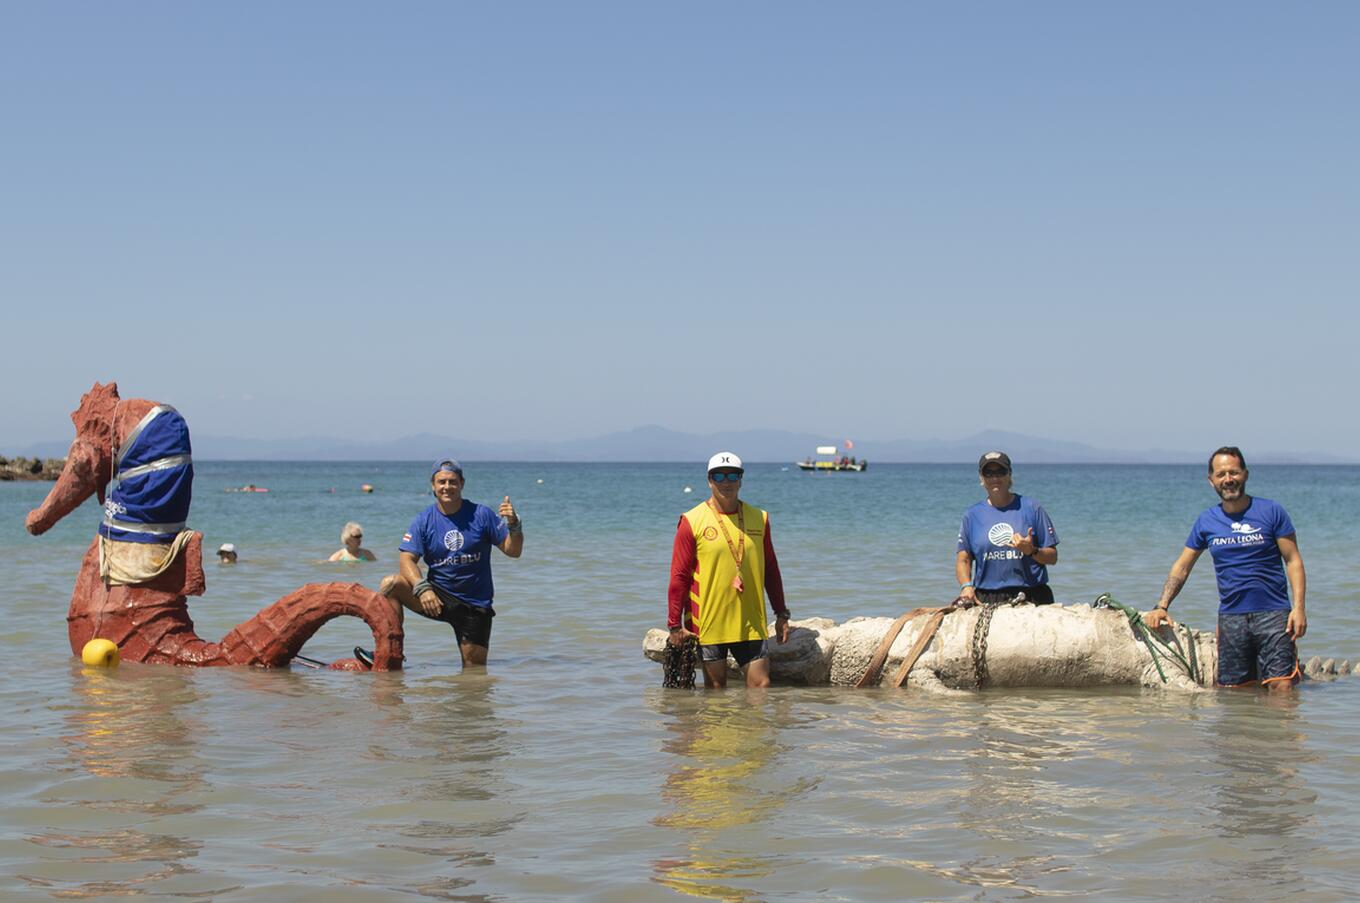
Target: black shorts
x=1039 y=595
x=744 y=652
x=471 y=624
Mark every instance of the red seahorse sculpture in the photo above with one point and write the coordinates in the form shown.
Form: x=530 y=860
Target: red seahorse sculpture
x=150 y=621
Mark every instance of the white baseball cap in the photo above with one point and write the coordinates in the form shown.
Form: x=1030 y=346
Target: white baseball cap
x=225 y=547
x=724 y=459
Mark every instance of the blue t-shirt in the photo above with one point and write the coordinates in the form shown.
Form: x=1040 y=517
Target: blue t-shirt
x=457 y=549
x=149 y=500
x=986 y=535
x=1246 y=555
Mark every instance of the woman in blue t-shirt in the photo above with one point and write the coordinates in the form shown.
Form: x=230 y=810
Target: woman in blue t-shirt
x=1006 y=542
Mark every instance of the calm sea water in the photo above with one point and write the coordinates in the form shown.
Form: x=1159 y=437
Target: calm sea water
x=566 y=772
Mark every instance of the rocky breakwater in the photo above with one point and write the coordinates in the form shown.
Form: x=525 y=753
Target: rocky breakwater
x=31 y=468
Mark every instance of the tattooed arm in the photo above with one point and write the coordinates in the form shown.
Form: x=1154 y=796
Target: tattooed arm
x=1293 y=566
x=1180 y=572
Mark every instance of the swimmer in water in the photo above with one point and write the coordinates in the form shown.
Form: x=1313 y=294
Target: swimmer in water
x=353 y=537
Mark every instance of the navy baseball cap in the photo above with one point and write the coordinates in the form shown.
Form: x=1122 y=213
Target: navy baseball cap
x=450 y=464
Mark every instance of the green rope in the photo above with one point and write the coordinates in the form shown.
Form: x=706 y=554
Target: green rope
x=1192 y=665
x=1146 y=635
x=1194 y=661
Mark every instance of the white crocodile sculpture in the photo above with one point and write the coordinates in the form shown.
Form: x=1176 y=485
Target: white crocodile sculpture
x=1024 y=646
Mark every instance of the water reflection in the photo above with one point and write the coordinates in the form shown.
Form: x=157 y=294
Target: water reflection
x=131 y=723
x=1011 y=801
x=133 y=751
x=450 y=744
x=1263 y=808
x=725 y=789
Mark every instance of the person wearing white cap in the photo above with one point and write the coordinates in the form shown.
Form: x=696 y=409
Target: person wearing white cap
x=226 y=553
x=722 y=563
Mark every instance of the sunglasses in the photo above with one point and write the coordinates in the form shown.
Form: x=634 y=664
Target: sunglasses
x=995 y=473
x=729 y=477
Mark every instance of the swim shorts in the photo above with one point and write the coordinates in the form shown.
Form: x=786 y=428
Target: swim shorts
x=1254 y=646
x=744 y=652
x=471 y=624
x=1038 y=595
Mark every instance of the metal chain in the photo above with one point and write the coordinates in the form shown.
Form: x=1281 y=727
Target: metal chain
x=678 y=665
x=981 y=629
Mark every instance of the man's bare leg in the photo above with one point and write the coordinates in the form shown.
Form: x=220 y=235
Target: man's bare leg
x=474 y=656
x=395 y=587
x=715 y=675
x=1281 y=684
x=758 y=673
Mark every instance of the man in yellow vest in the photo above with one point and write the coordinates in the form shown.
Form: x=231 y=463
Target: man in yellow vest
x=721 y=565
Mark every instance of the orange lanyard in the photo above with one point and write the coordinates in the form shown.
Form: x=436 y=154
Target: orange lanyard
x=739 y=549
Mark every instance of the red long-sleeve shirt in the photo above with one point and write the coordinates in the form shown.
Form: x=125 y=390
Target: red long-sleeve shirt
x=684 y=559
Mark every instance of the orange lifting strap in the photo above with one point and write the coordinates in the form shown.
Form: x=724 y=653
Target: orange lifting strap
x=871 y=675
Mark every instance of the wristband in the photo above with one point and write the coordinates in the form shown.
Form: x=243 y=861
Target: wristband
x=421 y=588
x=516 y=528
x=964 y=586
x=781 y=614
x=1163 y=607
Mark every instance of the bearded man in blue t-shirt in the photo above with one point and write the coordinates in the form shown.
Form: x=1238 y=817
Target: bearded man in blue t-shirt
x=455 y=536
x=1253 y=545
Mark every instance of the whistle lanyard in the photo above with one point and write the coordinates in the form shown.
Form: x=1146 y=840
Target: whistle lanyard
x=738 y=549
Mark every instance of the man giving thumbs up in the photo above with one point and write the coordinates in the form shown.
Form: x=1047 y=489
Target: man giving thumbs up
x=455 y=537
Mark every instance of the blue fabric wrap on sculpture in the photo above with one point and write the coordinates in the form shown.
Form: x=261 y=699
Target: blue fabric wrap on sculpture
x=151 y=493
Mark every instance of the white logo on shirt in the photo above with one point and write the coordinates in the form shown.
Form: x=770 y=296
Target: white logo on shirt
x=1243 y=534
x=453 y=540
x=1001 y=534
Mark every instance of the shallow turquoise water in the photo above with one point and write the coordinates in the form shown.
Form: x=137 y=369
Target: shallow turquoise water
x=567 y=772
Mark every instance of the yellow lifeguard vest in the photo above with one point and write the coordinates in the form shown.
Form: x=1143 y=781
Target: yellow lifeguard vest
x=722 y=614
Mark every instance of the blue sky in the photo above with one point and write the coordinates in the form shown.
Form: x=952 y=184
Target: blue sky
x=1125 y=225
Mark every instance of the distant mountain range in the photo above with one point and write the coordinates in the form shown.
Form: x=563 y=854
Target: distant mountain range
x=655 y=443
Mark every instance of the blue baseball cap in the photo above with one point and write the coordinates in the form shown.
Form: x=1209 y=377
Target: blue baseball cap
x=449 y=464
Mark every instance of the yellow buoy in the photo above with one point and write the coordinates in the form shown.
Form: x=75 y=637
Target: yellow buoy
x=100 y=654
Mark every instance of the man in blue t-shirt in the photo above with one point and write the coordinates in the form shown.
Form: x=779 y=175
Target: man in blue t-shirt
x=455 y=536
x=1006 y=542
x=1253 y=545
